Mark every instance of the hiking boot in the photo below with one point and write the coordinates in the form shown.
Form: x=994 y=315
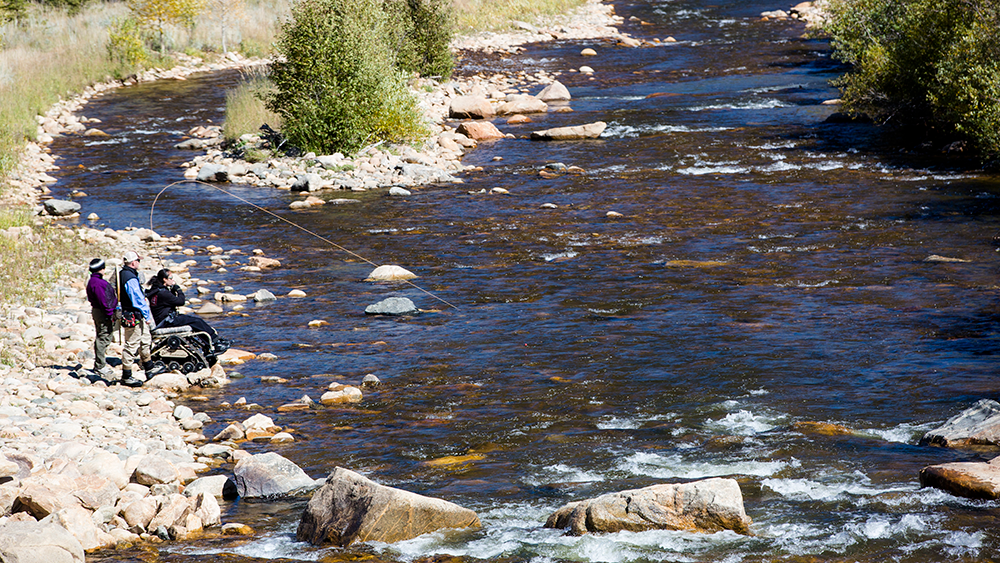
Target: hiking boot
x=129 y=381
x=105 y=372
x=153 y=368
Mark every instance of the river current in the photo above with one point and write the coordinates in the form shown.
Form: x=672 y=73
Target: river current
x=768 y=272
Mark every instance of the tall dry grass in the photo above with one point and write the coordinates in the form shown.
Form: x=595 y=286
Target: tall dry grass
x=45 y=56
x=245 y=110
x=472 y=16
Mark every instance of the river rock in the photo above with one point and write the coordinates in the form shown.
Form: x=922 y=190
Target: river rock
x=213 y=173
x=977 y=425
x=470 y=107
x=555 y=92
x=81 y=524
x=263 y=295
x=221 y=486
x=392 y=306
x=38 y=542
x=977 y=480
x=522 y=103
x=390 y=272
x=154 y=469
x=479 y=130
x=709 y=505
x=264 y=263
x=588 y=131
x=60 y=208
x=269 y=475
x=350 y=508
x=308 y=183
x=399 y=192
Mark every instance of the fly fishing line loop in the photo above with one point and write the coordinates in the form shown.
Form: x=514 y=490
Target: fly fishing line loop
x=280 y=218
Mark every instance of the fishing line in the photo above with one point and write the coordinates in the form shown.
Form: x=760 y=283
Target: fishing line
x=276 y=216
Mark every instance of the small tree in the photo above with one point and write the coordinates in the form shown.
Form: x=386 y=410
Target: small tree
x=226 y=12
x=12 y=10
x=336 y=86
x=420 y=35
x=156 y=15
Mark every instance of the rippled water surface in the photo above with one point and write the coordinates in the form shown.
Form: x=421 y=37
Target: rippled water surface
x=768 y=271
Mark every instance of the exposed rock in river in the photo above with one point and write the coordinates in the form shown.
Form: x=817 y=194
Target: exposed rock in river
x=976 y=426
x=709 y=505
x=350 y=508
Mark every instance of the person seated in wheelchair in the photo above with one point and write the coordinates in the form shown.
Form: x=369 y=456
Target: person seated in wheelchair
x=165 y=296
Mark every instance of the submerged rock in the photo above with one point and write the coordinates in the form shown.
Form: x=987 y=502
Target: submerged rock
x=350 y=508
x=709 y=505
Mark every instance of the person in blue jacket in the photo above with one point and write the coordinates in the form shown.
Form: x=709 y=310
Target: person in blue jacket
x=137 y=322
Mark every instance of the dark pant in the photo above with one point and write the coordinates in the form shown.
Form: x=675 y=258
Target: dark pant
x=196 y=324
x=105 y=329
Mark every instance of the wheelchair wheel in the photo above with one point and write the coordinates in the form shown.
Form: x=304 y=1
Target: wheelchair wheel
x=188 y=367
x=174 y=366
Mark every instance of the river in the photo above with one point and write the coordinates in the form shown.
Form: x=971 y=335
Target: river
x=768 y=270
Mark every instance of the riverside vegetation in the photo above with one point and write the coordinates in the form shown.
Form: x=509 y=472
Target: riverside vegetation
x=927 y=63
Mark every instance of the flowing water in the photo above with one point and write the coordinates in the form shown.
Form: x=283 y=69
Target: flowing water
x=768 y=271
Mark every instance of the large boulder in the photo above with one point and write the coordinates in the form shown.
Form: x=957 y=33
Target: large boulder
x=479 y=130
x=517 y=104
x=588 y=131
x=60 y=208
x=554 y=92
x=37 y=542
x=977 y=425
x=350 y=508
x=269 y=475
x=965 y=479
x=470 y=107
x=212 y=172
x=709 y=505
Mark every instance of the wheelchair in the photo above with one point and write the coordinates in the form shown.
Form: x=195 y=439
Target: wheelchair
x=182 y=349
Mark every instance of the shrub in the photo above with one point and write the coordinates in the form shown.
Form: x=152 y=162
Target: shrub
x=125 y=44
x=923 y=61
x=336 y=87
x=421 y=36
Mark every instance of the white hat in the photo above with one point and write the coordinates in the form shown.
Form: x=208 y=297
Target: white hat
x=130 y=256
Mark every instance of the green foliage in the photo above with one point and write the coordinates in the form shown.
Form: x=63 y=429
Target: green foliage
x=336 y=86
x=11 y=10
x=126 y=46
x=421 y=35
x=157 y=15
x=923 y=61
x=71 y=6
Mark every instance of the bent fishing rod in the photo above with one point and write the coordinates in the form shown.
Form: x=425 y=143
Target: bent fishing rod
x=280 y=218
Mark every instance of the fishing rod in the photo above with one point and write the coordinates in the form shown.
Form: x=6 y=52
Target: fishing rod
x=276 y=216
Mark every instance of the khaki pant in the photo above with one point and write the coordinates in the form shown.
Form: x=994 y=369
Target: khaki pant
x=136 y=345
x=105 y=330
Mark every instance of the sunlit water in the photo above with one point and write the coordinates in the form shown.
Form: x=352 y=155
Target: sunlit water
x=769 y=270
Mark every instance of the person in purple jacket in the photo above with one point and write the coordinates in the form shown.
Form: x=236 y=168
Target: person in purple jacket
x=104 y=302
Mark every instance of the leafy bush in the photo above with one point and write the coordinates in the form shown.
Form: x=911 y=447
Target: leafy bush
x=923 y=61
x=421 y=35
x=126 y=46
x=336 y=86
